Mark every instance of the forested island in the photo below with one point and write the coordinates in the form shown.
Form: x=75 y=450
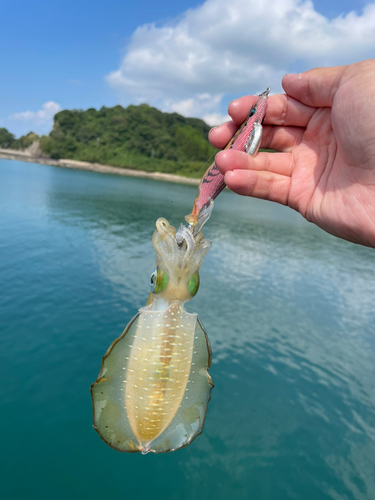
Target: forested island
x=137 y=137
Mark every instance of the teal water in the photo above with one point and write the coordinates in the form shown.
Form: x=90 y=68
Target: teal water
x=289 y=310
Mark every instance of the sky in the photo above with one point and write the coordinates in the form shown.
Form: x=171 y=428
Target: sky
x=187 y=56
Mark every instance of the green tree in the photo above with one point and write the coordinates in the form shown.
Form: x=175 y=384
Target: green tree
x=25 y=141
x=6 y=138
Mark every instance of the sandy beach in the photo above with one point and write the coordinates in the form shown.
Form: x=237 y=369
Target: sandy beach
x=11 y=154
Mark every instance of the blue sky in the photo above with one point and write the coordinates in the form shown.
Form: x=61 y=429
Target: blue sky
x=187 y=56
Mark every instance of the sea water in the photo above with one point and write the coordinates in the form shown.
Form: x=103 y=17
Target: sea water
x=289 y=310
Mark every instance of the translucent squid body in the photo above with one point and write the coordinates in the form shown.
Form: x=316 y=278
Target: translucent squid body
x=153 y=387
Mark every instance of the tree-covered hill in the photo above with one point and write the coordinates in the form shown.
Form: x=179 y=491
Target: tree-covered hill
x=8 y=141
x=139 y=137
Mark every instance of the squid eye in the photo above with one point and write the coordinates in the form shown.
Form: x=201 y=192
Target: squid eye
x=153 y=280
x=194 y=284
x=158 y=280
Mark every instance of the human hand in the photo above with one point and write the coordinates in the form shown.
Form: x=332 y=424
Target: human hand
x=324 y=131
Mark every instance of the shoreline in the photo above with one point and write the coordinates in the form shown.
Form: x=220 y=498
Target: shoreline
x=12 y=154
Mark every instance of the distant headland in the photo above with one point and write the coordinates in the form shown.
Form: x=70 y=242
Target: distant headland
x=138 y=141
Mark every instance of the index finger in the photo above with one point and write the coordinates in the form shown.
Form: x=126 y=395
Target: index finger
x=281 y=110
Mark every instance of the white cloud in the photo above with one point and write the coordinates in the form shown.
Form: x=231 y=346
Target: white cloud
x=222 y=48
x=204 y=102
x=215 y=119
x=38 y=121
x=48 y=111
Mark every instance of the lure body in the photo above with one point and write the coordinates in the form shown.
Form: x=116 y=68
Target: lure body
x=153 y=388
x=247 y=138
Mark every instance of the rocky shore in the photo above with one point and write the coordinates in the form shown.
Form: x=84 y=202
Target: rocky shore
x=33 y=155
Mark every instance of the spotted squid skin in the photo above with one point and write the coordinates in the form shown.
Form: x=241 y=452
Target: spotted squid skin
x=158 y=372
x=153 y=388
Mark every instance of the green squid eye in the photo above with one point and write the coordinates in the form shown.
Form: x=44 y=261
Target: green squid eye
x=194 y=284
x=158 y=281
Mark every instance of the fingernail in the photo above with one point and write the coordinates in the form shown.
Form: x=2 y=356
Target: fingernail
x=213 y=128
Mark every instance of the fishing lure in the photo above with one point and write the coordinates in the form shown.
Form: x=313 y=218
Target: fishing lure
x=153 y=387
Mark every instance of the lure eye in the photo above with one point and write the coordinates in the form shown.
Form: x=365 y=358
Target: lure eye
x=158 y=280
x=252 y=112
x=194 y=284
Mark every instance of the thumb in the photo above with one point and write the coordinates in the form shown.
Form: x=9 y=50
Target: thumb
x=316 y=87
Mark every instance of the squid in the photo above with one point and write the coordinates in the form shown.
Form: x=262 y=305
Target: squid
x=153 y=388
